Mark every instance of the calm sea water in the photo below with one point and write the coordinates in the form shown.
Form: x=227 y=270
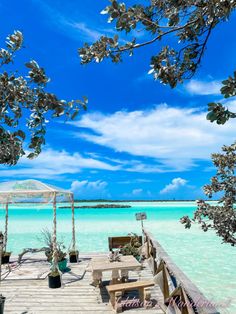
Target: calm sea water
x=209 y=264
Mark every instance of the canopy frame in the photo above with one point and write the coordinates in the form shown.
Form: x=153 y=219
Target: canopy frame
x=46 y=190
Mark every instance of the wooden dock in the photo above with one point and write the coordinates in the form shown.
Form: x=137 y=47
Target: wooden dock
x=26 y=294
x=25 y=287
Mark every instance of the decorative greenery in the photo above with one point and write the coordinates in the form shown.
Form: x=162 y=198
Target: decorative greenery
x=24 y=101
x=74 y=252
x=132 y=248
x=6 y=253
x=54 y=273
x=191 y=22
x=222 y=217
x=47 y=239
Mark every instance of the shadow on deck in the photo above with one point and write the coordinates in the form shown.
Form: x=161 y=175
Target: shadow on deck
x=26 y=290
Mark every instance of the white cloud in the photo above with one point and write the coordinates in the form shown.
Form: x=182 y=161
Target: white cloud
x=137 y=191
x=69 y=25
x=84 y=31
x=197 y=87
x=175 y=137
x=135 y=181
x=53 y=164
x=230 y=103
x=175 y=184
x=90 y=189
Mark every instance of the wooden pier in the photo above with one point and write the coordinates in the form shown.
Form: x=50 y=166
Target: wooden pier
x=25 y=286
x=32 y=296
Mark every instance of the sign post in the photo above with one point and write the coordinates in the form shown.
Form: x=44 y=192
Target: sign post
x=141 y=217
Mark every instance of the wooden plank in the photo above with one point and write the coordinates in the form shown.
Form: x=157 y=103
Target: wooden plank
x=129 y=285
x=191 y=289
x=34 y=296
x=126 y=262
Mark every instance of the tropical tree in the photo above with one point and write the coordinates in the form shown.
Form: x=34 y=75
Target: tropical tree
x=190 y=22
x=25 y=101
x=220 y=217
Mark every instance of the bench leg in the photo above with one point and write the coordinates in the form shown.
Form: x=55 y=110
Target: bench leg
x=141 y=295
x=115 y=301
x=147 y=298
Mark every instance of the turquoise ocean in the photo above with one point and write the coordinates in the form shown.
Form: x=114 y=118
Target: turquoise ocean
x=205 y=260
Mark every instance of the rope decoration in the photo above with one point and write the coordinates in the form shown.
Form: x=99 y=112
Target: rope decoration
x=54 y=237
x=1 y=249
x=6 y=229
x=73 y=222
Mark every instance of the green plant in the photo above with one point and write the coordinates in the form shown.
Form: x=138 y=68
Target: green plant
x=47 y=239
x=220 y=217
x=132 y=248
x=26 y=105
x=190 y=25
x=54 y=273
x=74 y=252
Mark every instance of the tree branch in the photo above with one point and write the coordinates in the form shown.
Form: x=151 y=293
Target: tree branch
x=122 y=49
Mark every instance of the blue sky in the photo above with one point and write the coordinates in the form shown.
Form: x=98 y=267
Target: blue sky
x=138 y=139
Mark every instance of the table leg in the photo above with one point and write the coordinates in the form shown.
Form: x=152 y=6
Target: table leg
x=97 y=278
x=114 y=277
x=124 y=274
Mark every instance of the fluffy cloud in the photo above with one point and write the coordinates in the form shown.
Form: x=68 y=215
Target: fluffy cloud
x=175 y=137
x=203 y=88
x=53 y=164
x=175 y=184
x=90 y=189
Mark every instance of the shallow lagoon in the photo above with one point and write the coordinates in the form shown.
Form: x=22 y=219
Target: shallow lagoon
x=210 y=264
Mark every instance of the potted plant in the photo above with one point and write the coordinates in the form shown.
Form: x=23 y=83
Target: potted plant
x=62 y=261
x=133 y=247
x=74 y=256
x=54 y=279
x=6 y=257
x=2 y=302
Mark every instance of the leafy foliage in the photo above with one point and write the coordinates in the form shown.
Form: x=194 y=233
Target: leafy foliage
x=47 y=239
x=217 y=112
x=132 y=248
x=222 y=217
x=24 y=99
x=191 y=22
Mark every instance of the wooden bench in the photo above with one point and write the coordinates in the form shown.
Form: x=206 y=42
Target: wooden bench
x=116 y=291
x=116 y=242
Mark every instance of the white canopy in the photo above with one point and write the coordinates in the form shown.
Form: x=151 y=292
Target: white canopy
x=36 y=192
x=30 y=190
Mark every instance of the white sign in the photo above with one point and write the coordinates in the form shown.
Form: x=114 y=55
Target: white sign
x=141 y=216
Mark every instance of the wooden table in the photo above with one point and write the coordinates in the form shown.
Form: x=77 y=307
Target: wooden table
x=119 y=269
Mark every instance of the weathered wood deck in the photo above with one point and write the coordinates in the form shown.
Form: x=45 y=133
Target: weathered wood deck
x=33 y=296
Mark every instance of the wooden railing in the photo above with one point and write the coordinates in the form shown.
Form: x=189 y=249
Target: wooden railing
x=177 y=288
